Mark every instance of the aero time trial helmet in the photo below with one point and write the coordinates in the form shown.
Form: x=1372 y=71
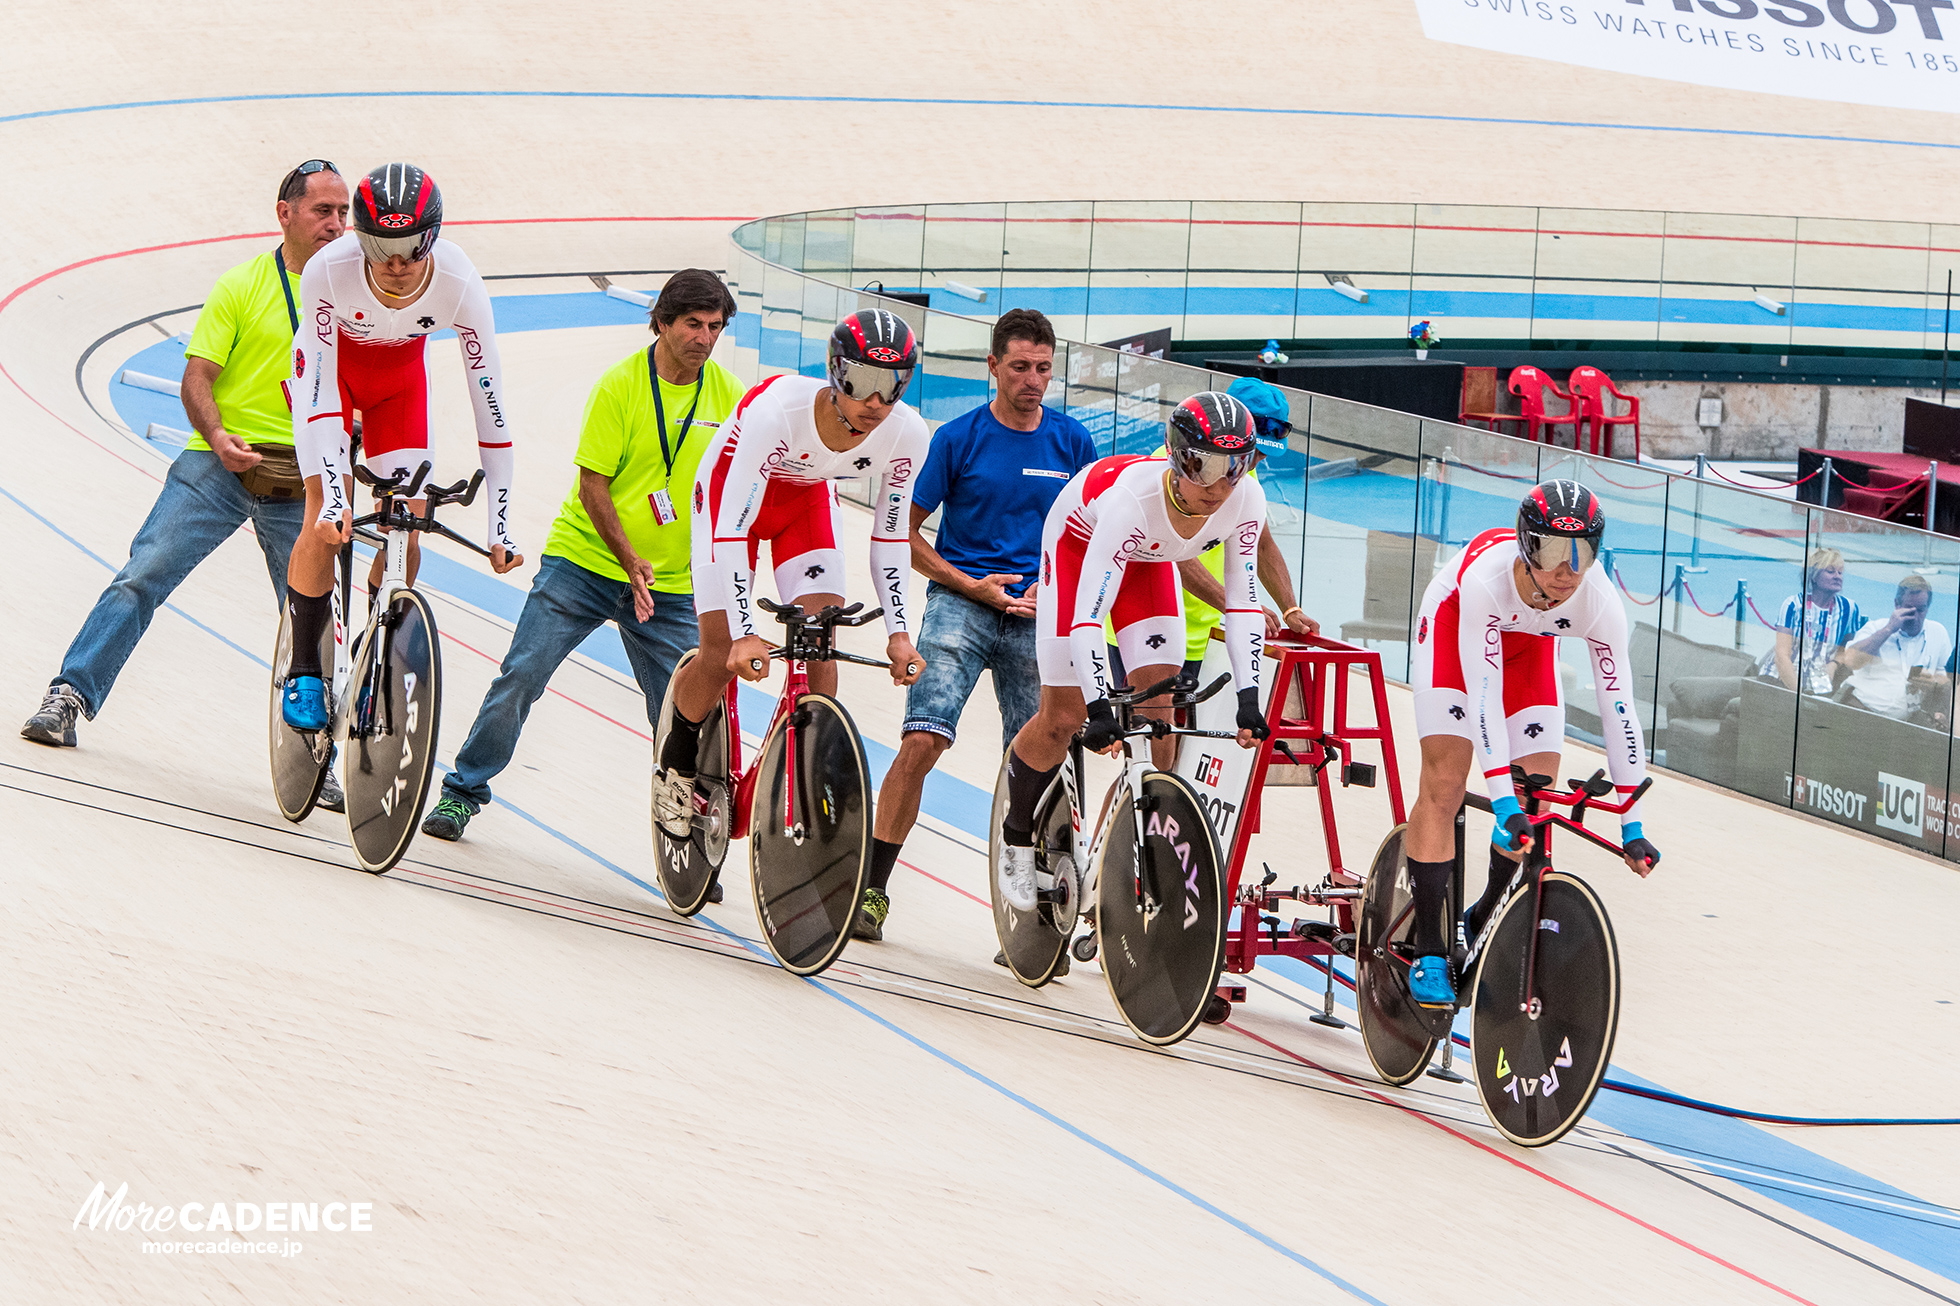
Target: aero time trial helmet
x=1560 y=521
x=397 y=213
x=1210 y=437
x=872 y=352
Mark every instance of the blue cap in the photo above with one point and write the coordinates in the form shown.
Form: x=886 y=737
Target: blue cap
x=1271 y=413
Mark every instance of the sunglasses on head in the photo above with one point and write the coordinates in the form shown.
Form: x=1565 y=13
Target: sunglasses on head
x=306 y=169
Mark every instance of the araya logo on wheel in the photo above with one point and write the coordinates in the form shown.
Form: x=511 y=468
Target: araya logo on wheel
x=1544 y=1085
x=1166 y=828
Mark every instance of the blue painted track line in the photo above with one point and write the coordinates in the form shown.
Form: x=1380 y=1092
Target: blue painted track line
x=924 y=1045
x=979 y=103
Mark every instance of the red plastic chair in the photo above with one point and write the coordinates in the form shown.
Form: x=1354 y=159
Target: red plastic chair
x=1529 y=385
x=1884 y=500
x=1590 y=387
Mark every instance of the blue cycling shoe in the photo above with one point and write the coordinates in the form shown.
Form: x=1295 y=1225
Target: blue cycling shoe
x=304 y=704
x=1429 y=983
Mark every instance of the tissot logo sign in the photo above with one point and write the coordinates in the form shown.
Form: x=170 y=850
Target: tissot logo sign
x=1900 y=53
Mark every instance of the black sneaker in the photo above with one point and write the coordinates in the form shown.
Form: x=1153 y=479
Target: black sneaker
x=55 y=722
x=449 y=818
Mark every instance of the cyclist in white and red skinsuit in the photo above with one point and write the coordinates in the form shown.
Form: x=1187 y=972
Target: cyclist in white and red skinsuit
x=369 y=302
x=1109 y=549
x=1487 y=690
x=769 y=477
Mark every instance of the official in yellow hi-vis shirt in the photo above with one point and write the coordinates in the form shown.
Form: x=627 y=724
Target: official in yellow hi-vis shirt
x=619 y=549
x=238 y=467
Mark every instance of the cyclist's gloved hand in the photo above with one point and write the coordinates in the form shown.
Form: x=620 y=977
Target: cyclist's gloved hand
x=1250 y=717
x=1636 y=848
x=1512 y=832
x=1101 y=729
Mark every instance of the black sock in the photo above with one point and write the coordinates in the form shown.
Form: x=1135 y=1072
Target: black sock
x=683 y=747
x=1025 y=785
x=884 y=855
x=1429 y=885
x=1502 y=868
x=310 y=618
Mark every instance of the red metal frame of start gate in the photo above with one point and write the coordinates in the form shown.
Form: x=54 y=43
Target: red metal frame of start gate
x=1319 y=670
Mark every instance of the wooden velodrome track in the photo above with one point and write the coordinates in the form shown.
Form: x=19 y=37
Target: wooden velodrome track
x=551 y=1090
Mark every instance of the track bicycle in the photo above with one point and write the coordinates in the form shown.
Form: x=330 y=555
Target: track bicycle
x=805 y=804
x=1154 y=887
x=1541 y=979
x=385 y=693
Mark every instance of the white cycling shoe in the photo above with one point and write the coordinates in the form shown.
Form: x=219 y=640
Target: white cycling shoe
x=673 y=802
x=1014 y=875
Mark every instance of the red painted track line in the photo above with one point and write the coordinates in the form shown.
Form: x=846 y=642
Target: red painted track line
x=948 y=883
x=1528 y=1169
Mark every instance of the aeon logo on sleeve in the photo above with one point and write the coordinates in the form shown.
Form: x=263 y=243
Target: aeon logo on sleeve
x=472 y=348
x=323 y=321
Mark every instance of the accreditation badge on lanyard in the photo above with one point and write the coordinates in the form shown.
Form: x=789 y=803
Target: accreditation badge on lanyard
x=662 y=501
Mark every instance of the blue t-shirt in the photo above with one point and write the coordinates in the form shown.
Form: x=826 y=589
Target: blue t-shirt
x=997 y=485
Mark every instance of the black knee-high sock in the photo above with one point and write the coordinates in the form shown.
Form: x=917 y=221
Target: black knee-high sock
x=1502 y=868
x=1429 y=885
x=884 y=856
x=683 y=747
x=310 y=617
x=1025 y=786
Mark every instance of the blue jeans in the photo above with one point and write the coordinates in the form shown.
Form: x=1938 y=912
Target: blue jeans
x=199 y=507
x=959 y=639
x=566 y=603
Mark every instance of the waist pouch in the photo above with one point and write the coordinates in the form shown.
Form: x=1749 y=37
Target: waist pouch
x=277 y=474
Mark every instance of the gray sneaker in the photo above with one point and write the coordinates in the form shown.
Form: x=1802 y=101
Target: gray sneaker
x=448 y=819
x=331 y=799
x=55 y=722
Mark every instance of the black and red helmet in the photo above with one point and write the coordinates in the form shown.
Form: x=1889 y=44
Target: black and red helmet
x=1560 y=522
x=872 y=352
x=397 y=213
x=1210 y=436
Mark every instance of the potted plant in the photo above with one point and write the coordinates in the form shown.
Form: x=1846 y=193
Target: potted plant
x=1424 y=338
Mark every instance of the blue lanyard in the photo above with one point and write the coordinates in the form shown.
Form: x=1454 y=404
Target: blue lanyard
x=660 y=410
x=292 y=309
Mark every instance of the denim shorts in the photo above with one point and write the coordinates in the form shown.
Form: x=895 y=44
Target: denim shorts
x=959 y=639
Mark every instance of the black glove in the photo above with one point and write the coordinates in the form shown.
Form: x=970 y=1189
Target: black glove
x=1101 y=729
x=1642 y=851
x=1250 y=717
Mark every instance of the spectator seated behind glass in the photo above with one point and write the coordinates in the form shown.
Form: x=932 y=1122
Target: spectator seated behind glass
x=1898 y=662
x=1814 y=627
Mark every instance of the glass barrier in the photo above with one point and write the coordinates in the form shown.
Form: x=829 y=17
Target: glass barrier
x=1746 y=611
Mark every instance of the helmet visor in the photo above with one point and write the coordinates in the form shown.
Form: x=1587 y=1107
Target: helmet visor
x=1208 y=467
x=414 y=248
x=1546 y=552
x=862 y=380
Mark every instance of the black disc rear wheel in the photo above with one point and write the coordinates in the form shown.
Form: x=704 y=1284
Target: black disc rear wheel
x=1400 y=1035
x=391 y=737
x=1034 y=942
x=1161 y=935
x=1540 y=1051
x=809 y=856
x=686 y=868
x=297 y=771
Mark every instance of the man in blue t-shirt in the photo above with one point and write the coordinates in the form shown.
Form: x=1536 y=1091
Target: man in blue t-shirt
x=996 y=471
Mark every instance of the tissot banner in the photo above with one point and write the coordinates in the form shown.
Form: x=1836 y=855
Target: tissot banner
x=1900 y=53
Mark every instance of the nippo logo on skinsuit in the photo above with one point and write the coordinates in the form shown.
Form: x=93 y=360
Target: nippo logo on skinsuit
x=882 y=354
